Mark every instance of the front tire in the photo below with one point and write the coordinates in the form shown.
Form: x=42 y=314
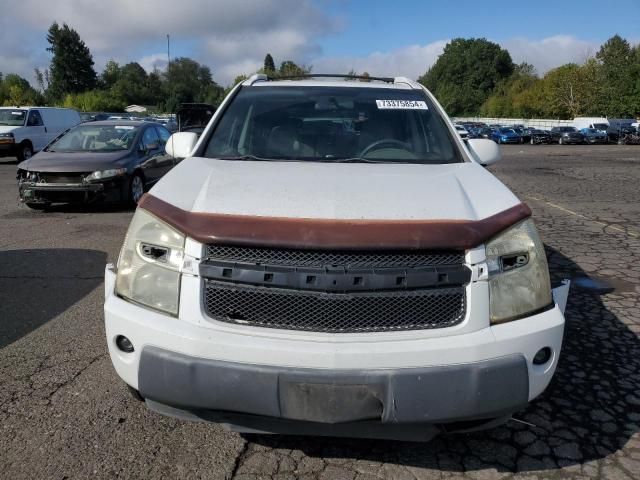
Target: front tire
x=136 y=188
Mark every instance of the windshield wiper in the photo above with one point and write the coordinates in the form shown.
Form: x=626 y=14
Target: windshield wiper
x=252 y=158
x=354 y=160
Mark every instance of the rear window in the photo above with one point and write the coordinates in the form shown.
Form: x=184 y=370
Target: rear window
x=326 y=124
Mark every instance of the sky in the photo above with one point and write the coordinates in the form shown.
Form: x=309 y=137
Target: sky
x=386 y=38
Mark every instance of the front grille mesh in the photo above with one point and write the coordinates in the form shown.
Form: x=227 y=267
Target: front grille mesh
x=62 y=177
x=346 y=259
x=334 y=313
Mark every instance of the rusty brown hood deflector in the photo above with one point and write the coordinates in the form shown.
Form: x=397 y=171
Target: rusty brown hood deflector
x=313 y=233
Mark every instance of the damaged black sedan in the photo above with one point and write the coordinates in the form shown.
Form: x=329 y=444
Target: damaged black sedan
x=112 y=160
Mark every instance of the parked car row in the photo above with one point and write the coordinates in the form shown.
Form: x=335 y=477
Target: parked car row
x=563 y=135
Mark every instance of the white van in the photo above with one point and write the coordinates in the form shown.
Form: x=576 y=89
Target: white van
x=599 y=123
x=27 y=130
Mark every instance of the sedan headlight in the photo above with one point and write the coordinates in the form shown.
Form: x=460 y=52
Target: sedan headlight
x=149 y=263
x=102 y=174
x=518 y=273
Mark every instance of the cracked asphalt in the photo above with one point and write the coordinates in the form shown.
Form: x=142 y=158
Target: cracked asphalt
x=65 y=415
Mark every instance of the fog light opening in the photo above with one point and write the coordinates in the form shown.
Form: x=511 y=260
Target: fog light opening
x=124 y=344
x=542 y=357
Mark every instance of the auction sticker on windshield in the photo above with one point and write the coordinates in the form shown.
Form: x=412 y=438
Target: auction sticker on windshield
x=402 y=104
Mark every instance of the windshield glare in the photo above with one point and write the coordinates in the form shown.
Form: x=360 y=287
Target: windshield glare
x=332 y=124
x=14 y=118
x=96 y=138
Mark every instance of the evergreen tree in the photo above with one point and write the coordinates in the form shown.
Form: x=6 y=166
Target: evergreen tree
x=71 y=68
x=269 y=65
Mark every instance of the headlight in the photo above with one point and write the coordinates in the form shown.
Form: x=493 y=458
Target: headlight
x=518 y=273
x=149 y=263
x=102 y=174
x=7 y=138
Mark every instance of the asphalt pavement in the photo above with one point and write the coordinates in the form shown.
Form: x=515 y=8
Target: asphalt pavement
x=64 y=414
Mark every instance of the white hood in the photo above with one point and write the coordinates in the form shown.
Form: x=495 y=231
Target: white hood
x=7 y=128
x=461 y=191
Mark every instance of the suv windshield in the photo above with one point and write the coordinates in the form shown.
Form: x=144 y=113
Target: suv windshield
x=330 y=123
x=15 y=118
x=95 y=138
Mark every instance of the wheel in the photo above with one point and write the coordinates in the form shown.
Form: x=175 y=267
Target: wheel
x=25 y=152
x=136 y=188
x=37 y=206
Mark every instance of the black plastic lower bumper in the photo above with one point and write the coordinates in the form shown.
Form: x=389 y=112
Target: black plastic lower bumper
x=32 y=192
x=428 y=395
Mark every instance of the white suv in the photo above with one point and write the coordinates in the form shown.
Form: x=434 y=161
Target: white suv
x=333 y=259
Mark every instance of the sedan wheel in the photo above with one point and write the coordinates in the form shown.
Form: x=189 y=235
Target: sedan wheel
x=136 y=188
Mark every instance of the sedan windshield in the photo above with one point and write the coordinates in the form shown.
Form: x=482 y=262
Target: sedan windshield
x=95 y=138
x=507 y=130
x=332 y=124
x=14 y=118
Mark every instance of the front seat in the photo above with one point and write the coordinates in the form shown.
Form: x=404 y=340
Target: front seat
x=283 y=140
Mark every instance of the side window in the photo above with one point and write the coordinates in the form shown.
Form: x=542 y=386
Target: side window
x=150 y=138
x=35 y=120
x=164 y=135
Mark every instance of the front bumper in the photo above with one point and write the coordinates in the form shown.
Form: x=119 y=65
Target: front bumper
x=8 y=149
x=213 y=370
x=435 y=394
x=42 y=192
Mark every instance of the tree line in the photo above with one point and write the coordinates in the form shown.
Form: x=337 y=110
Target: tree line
x=71 y=80
x=472 y=77
x=478 y=77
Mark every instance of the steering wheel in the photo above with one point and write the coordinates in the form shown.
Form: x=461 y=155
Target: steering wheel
x=385 y=141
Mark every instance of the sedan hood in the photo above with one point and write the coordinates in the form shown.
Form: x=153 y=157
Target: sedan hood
x=74 y=161
x=313 y=190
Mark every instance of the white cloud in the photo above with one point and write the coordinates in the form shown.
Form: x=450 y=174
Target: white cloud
x=410 y=61
x=224 y=34
x=153 y=61
x=550 y=52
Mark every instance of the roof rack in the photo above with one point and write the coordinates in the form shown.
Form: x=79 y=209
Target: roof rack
x=332 y=75
x=261 y=77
